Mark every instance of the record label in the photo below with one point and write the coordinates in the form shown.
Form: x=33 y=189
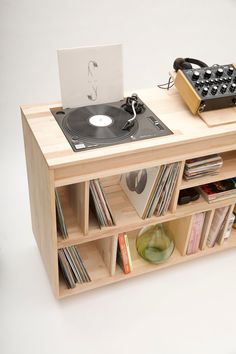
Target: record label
x=100 y=120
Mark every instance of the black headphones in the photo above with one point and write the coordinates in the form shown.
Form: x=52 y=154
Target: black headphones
x=185 y=63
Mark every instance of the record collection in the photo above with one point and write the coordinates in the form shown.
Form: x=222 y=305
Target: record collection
x=100 y=205
x=218 y=190
x=150 y=190
x=202 y=166
x=61 y=225
x=72 y=266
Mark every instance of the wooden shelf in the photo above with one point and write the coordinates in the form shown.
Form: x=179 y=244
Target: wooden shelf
x=101 y=276
x=95 y=266
x=126 y=216
x=51 y=164
x=227 y=171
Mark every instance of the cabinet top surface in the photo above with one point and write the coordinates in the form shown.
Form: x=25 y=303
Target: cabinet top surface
x=167 y=105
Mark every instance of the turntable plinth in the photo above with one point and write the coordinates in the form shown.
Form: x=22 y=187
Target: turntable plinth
x=51 y=163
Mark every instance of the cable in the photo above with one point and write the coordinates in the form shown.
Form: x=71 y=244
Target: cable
x=169 y=84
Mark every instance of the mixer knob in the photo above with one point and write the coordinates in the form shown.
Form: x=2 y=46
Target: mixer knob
x=229 y=79
x=232 y=88
x=219 y=72
x=205 y=91
x=197 y=83
x=211 y=82
x=223 y=88
x=196 y=75
x=230 y=70
x=214 y=89
x=207 y=74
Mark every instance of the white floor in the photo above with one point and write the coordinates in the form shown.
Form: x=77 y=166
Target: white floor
x=187 y=309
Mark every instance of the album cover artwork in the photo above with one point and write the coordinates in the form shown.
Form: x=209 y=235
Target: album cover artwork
x=90 y=75
x=138 y=186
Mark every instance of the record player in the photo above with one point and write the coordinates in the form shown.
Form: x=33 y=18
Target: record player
x=102 y=125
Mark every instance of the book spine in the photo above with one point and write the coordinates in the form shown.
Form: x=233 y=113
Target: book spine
x=128 y=252
x=124 y=253
x=217 y=221
x=199 y=227
x=192 y=235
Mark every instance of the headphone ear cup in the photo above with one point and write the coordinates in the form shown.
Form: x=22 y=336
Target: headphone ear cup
x=178 y=63
x=181 y=64
x=186 y=65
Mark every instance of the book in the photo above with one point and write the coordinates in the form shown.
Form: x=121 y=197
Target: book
x=195 y=233
x=227 y=232
x=218 y=219
x=218 y=190
x=123 y=253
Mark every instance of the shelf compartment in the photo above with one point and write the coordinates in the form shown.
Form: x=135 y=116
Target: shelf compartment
x=228 y=170
x=140 y=266
x=127 y=218
x=99 y=258
x=220 y=238
x=75 y=207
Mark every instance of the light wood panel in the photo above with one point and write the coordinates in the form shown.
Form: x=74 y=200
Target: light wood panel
x=188 y=93
x=101 y=276
x=126 y=216
x=168 y=106
x=228 y=170
x=108 y=250
x=180 y=229
x=79 y=193
x=142 y=159
x=42 y=204
x=52 y=163
x=219 y=117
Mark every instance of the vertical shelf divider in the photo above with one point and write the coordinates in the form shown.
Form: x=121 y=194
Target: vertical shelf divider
x=180 y=229
x=108 y=250
x=175 y=196
x=80 y=197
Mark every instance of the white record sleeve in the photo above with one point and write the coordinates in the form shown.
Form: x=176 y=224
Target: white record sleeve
x=90 y=75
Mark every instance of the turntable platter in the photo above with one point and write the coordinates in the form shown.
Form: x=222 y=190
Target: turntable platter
x=98 y=123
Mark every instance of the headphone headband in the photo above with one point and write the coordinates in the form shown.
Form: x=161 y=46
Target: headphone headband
x=185 y=63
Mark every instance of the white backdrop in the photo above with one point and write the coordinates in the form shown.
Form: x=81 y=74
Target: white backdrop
x=188 y=309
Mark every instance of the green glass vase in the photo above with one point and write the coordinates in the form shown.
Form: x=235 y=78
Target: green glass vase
x=153 y=244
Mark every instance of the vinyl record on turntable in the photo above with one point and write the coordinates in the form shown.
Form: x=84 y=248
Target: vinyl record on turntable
x=99 y=123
